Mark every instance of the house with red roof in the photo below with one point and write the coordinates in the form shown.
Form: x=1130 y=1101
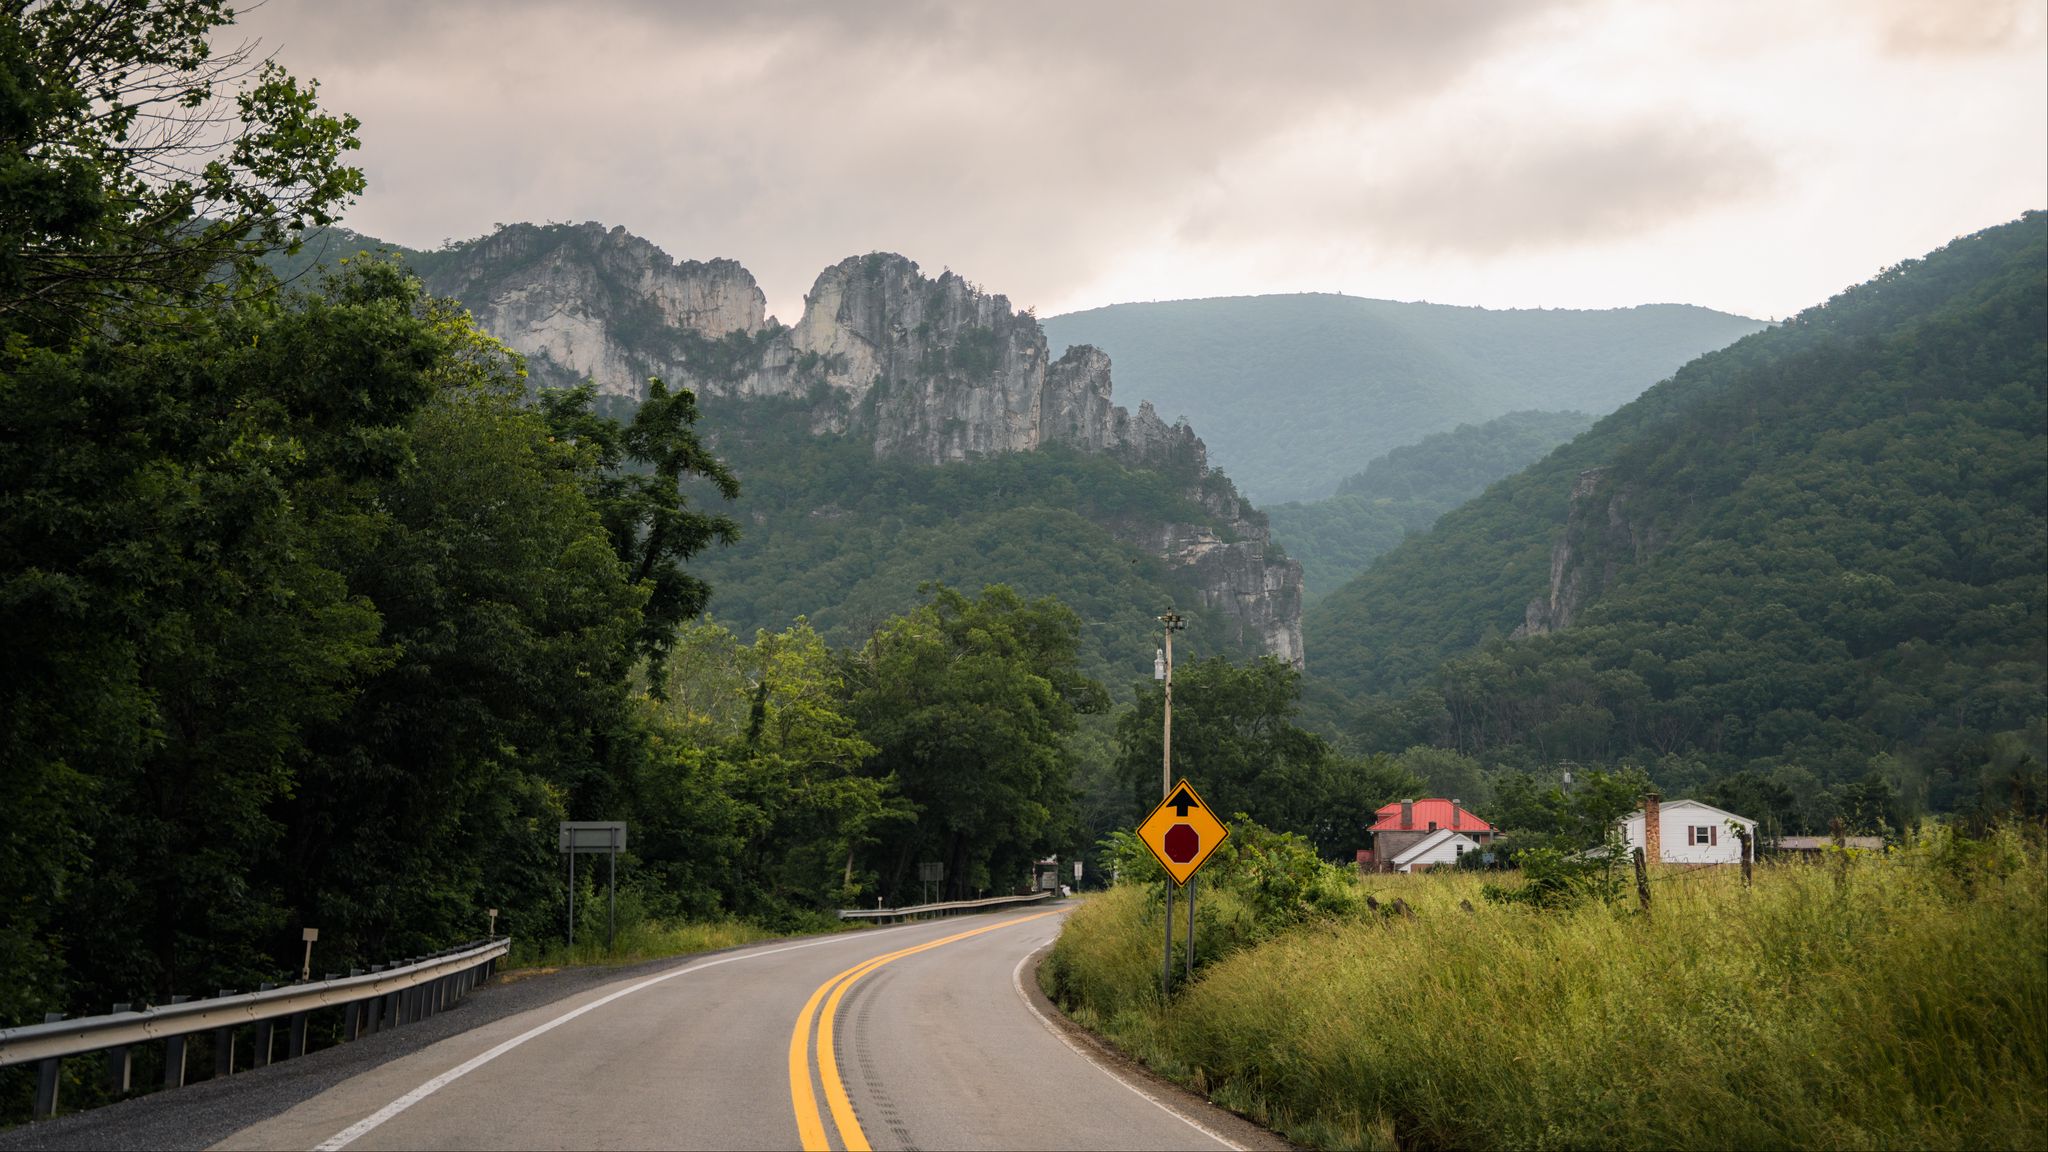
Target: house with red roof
x=1401 y=827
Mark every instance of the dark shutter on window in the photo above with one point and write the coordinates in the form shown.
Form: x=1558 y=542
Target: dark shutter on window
x=1713 y=834
x=1690 y=832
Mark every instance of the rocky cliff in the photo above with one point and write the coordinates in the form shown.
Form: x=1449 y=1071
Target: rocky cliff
x=583 y=303
x=1600 y=536
x=928 y=369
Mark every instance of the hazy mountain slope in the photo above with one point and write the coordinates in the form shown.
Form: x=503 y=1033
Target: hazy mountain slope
x=1294 y=393
x=1407 y=489
x=1824 y=542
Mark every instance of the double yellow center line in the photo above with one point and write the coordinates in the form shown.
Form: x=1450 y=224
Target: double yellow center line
x=810 y=1123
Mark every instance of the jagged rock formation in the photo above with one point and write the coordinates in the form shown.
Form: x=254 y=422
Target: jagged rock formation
x=583 y=303
x=1599 y=537
x=934 y=370
x=1239 y=578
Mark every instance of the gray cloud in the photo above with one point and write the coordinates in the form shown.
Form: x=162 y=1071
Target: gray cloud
x=1606 y=182
x=1058 y=151
x=1019 y=143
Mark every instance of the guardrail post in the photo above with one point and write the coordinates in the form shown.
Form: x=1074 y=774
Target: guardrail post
x=352 y=1014
x=46 y=1078
x=224 y=1044
x=174 y=1055
x=120 y=1064
x=296 y=1046
x=260 y=1057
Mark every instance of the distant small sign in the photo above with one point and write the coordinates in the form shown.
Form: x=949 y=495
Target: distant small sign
x=605 y=837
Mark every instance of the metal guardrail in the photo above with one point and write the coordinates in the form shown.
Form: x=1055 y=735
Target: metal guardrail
x=915 y=911
x=383 y=997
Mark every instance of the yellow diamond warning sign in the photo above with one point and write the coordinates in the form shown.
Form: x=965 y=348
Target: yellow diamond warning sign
x=1182 y=832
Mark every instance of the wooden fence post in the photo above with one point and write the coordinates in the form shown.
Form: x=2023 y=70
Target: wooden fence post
x=1841 y=853
x=1642 y=882
x=1748 y=853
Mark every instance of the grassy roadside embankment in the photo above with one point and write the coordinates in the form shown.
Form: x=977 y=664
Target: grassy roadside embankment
x=641 y=940
x=1900 y=1001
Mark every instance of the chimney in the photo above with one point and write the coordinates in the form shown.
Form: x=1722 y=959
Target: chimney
x=1407 y=814
x=1457 y=814
x=1653 y=829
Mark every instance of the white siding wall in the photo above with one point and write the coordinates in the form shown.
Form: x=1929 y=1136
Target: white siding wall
x=1675 y=818
x=1444 y=854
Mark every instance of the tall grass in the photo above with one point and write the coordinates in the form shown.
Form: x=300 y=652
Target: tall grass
x=1899 y=1003
x=646 y=939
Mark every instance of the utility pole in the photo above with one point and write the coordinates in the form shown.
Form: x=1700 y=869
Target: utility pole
x=1173 y=622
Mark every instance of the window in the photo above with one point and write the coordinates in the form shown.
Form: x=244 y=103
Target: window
x=1432 y=825
x=1697 y=834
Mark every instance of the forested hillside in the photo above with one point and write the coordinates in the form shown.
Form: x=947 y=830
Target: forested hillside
x=1810 y=563
x=832 y=532
x=1295 y=393
x=1407 y=489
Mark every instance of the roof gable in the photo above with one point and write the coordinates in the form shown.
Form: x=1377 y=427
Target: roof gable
x=1698 y=805
x=1434 y=840
x=1439 y=810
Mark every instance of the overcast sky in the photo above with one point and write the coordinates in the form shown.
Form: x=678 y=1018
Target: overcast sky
x=1750 y=155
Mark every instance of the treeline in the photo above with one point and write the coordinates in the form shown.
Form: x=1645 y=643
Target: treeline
x=1807 y=572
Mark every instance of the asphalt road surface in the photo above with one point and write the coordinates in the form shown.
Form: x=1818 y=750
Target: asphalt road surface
x=925 y=1036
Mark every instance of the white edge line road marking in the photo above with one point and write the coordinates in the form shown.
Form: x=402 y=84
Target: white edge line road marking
x=363 y=1127
x=1017 y=979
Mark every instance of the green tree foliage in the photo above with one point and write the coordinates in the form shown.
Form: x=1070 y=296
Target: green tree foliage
x=755 y=794
x=1814 y=564
x=1235 y=738
x=636 y=472
x=135 y=160
x=970 y=704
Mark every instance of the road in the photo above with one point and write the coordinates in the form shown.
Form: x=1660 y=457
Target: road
x=923 y=1036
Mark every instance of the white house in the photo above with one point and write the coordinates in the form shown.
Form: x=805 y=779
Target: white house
x=1442 y=846
x=1685 y=832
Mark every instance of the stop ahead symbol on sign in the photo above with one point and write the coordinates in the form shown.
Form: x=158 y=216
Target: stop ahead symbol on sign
x=1182 y=833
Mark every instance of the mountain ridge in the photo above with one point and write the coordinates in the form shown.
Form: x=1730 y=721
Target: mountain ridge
x=1300 y=390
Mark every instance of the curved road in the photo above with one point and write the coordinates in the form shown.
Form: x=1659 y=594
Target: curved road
x=923 y=1036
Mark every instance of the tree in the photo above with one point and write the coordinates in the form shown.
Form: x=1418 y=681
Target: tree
x=135 y=162
x=970 y=704
x=635 y=474
x=1234 y=735
x=755 y=796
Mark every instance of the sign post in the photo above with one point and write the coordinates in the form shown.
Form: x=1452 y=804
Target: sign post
x=1182 y=833
x=607 y=837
